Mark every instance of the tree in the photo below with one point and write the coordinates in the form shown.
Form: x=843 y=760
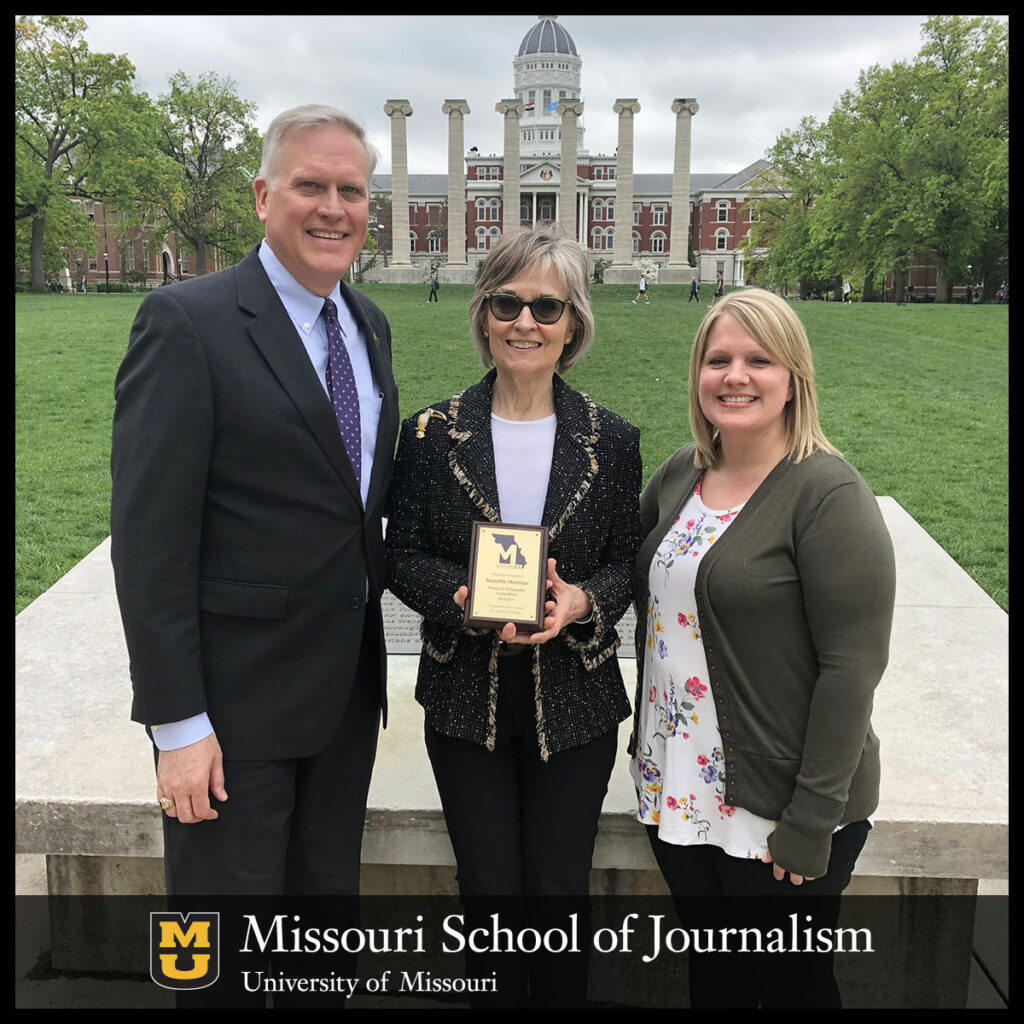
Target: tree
x=783 y=195
x=208 y=155
x=913 y=160
x=63 y=97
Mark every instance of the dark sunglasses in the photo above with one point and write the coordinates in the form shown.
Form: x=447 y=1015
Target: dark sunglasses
x=544 y=310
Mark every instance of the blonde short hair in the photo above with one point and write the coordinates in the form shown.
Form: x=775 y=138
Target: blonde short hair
x=771 y=322
x=542 y=248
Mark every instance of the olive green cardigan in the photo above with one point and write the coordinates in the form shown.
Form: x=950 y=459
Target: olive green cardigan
x=795 y=604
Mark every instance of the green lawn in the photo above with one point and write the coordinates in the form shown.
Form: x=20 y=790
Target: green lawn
x=915 y=396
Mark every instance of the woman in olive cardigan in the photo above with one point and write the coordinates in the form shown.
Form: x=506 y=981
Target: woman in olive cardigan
x=764 y=591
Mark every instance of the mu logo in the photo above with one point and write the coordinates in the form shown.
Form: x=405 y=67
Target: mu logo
x=184 y=952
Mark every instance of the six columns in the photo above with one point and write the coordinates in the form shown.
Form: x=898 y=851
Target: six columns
x=570 y=110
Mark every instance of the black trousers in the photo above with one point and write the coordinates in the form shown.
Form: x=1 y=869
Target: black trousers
x=288 y=828
x=523 y=832
x=712 y=890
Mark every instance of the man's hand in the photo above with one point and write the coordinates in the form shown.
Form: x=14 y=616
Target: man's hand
x=188 y=776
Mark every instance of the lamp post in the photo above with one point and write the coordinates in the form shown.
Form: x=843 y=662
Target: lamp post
x=106 y=270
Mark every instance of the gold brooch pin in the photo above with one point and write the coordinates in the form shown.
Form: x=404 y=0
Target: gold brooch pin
x=421 y=421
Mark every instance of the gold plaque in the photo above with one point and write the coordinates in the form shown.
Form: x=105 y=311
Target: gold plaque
x=507 y=576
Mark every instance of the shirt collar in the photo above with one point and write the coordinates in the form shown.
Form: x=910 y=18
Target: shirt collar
x=301 y=304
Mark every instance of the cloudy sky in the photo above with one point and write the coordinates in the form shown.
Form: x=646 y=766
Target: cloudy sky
x=753 y=76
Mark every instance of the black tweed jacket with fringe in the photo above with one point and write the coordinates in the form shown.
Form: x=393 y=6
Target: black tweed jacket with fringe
x=443 y=480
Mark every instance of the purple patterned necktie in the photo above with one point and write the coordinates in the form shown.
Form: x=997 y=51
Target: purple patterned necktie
x=341 y=386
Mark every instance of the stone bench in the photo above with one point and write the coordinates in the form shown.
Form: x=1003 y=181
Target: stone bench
x=85 y=791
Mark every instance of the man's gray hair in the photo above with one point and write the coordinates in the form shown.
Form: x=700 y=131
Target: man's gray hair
x=312 y=115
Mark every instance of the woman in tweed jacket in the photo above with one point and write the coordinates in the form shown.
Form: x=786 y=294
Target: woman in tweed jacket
x=521 y=729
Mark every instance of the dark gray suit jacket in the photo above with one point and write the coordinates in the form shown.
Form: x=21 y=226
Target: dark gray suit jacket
x=240 y=545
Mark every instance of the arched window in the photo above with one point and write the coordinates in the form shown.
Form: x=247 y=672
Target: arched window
x=412 y=241
x=636 y=243
x=495 y=208
x=493 y=236
x=658 y=241
x=609 y=238
x=525 y=210
x=721 y=238
x=723 y=211
x=433 y=242
x=597 y=239
x=609 y=210
x=547 y=209
x=481 y=238
x=599 y=210
x=481 y=209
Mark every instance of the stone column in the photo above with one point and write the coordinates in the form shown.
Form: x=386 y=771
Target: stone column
x=510 y=193
x=398 y=111
x=621 y=270
x=456 y=111
x=678 y=270
x=570 y=112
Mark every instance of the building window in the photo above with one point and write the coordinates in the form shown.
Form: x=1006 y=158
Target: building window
x=636 y=213
x=609 y=210
x=753 y=214
x=598 y=173
x=495 y=208
x=131 y=257
x=412 y=241
x=636 y=243
x=92 y=262
x=530 y=100
x=659 y=215
x=599 y=210
x=610 y=173
x=481 y=238
x=90 y=209
x=609 y=238
x=547 y=209
x=723 y=212
x=596 y=239
x=433 y=242
x=658 y=242
x=145 y=256
x=720 y=269
x=481 y=209
x=493 y=236
x=720 y=240
x=525 y=210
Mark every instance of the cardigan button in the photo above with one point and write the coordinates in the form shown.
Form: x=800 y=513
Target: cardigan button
x=356 y=603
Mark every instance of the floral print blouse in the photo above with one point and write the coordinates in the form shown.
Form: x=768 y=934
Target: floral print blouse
x=679 y=768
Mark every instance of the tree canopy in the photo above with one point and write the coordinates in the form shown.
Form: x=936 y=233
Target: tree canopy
x=64 y=95
x=208 y=155
x=915 y=159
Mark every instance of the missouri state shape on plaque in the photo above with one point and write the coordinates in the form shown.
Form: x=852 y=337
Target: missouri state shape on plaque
x=507 y=576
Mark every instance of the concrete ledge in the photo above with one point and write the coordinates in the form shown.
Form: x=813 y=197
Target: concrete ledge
x=84 y=773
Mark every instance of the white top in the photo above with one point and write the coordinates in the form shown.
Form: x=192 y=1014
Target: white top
x=523 y=450
x=679 y=767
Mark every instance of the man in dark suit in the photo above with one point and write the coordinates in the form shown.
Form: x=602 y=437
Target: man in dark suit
x=252 y=448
